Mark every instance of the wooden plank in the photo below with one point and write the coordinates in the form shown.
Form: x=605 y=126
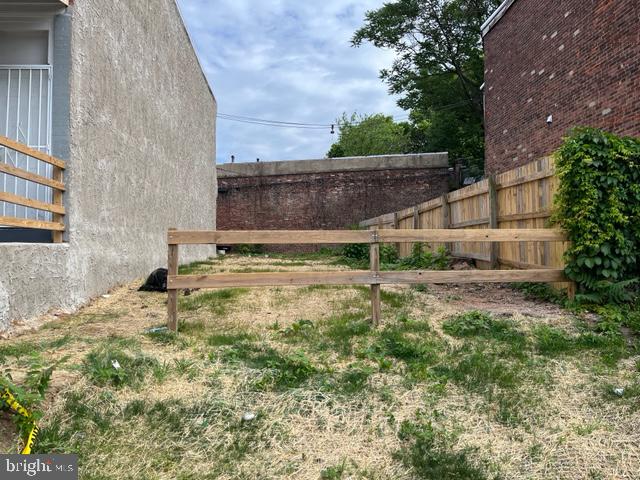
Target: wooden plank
x=58 y=176
x=172 y=301
x=545 y=213
x=532 y=177
x=521 y=265
x=493 y=220
x=32 y=177
x=454 y=197
x=446 y=219
x=471 y=223
x=473 y=276
x=396 y=226
x=374 y=261
x=477 y=235
x=355 y=277
x=31 y=152
x=369 y=222
x=430 y=205
x=363 y=236
x=25 y=223
x=382 y=219
x=472 y=256
x=268 y=237
x=28 y=202
x=416 y=218
x=362 y=277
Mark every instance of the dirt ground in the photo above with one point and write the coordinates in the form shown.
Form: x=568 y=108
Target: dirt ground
x=185 y=418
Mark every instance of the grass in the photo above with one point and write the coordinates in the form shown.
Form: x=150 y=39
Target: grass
x=27 y=348
x=108 y=365
x=228 y=339
x=550 y=341
x=199 y=266
x=272 y=389
x=217 y=302
x=428 y=451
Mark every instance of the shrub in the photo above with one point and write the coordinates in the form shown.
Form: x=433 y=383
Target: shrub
x=356 y=251
x=424 y=260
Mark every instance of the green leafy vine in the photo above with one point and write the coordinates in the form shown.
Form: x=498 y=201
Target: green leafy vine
x=598 y=204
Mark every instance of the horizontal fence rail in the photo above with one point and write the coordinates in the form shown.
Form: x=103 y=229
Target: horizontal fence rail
x=56 y=184
x=272 y=237
x=373 y=277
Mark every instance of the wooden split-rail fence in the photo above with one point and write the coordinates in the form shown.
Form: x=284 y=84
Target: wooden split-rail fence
x=373 y=277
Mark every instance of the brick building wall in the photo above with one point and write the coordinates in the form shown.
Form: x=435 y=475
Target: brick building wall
x=327 y=199
x=578 y=60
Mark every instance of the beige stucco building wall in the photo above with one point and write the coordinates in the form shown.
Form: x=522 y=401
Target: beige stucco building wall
x=137 y=129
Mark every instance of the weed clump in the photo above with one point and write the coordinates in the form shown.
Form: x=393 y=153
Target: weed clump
x=110 y=366
x=429 y=451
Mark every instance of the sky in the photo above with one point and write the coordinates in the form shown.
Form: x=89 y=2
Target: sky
x=286 y=60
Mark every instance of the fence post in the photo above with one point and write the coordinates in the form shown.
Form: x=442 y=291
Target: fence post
x=446 y=219
x=172 y=302
x=493 y=220
x=374 y=257
x=416 y=224
x=58 y=175
x=396 y=226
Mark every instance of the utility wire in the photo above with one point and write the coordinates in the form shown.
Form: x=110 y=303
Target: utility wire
x=262 y=120
x=315 y=126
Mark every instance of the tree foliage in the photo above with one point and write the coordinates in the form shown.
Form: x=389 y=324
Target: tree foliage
x=438 y=70
x=598 y=204
x=369 y=135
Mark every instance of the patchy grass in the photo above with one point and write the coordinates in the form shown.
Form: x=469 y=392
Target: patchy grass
x=294 y=382
x=199 y=266
x=550 y=341
x=217 y=302
x=429 y=452
x=108 y=365
x=28 y=348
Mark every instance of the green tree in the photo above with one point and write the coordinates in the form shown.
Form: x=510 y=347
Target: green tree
x=438 y=70
x=370 y=135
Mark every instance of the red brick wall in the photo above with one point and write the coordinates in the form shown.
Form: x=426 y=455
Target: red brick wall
x=333 y=200
x=578 y=60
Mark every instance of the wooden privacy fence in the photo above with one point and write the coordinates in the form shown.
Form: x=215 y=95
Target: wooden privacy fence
x=373 y=277
x=518 y=199
x=56 y=184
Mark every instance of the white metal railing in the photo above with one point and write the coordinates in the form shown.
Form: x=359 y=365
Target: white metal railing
x=25 y=116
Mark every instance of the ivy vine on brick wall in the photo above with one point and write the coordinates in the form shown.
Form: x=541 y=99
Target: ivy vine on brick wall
x=598 y=204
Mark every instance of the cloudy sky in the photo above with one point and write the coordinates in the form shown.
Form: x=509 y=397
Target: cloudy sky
x=286 y=60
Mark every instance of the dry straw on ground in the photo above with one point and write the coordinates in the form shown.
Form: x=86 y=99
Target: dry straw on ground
x=574 y=432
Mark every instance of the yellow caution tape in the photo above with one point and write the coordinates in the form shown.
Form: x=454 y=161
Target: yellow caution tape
x=14 y=405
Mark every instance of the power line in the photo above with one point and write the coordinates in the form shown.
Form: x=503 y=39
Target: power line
x=316 y=126
x=267 y=124
x=279 y=122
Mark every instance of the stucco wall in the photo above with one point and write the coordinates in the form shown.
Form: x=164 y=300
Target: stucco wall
x=142 y=157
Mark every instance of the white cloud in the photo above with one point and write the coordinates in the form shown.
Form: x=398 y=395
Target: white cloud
x=286 y=60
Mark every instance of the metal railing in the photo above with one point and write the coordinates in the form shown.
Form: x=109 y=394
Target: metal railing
x=25 y=117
